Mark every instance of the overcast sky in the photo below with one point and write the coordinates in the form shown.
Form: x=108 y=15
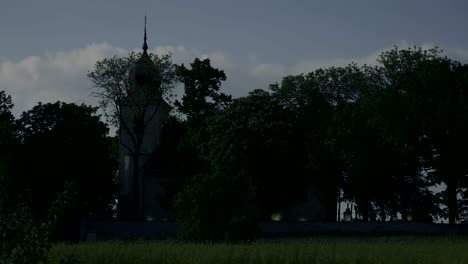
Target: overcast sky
x=47 y=47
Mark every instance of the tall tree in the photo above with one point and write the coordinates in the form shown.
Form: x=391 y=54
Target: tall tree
x=68 y=143
x=250 y=140
x=408 y=108
x=8 y=144
x=6 y=118
x=310 y=118
x=202 y=83
x=432 y=98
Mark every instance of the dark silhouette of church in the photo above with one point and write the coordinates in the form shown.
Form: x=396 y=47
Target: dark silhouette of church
x=143 y=114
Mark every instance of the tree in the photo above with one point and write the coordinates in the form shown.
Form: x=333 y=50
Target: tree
x=381 y=141
x=115 y=80
x=349 y=123
x=216 y=208
x=243 y=151
x=67 y=143
x=178 y=160
x=131 y=91
x=6 y=119
x=27 y=239
x=8 y=146
x=201 y=85
x=311 y=113
x=6 y=127
x=251 y=139
x=200 y=101
x=432 y=100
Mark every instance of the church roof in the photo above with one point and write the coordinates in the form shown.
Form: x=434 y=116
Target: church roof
x=144 y=65
x=144 y=72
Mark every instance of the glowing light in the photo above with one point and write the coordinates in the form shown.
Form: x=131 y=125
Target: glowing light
x=347 y=217
x=409 y=217
x=276 y=217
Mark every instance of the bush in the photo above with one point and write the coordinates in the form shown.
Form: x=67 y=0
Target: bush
x=215 y=208
x=25 y=239
x=22 y=240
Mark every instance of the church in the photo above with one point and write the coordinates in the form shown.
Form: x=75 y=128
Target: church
x=143 y=112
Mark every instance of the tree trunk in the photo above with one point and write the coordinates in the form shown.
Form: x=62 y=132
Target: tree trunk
x=364 y=210
x=367 y=212
x=383 y=215
x=452 y=199
x=339 y=205
x=136 y=188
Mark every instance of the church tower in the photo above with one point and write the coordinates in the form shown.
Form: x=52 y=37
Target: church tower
x=143 y=114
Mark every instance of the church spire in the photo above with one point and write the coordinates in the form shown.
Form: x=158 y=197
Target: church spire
x=145 y=46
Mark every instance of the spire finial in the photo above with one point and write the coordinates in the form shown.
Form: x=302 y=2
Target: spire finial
x=145 y=46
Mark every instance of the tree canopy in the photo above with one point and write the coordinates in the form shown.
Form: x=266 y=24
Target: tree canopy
x=67 y=142
x=378 y=136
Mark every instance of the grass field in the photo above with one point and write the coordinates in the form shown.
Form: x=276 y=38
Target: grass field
x=408 y=249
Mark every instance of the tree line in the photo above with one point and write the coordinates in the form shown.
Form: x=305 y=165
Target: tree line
x=375 y=135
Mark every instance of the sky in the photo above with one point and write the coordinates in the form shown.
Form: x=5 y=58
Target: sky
x=48 y=46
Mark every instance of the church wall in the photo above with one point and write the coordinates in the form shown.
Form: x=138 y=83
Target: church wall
x=148 y=187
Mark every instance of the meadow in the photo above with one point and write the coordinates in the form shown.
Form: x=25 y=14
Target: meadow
x=363 y=250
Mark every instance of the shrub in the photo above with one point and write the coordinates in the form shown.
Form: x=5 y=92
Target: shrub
x=22 y=240
x=215 y=208
x=25 y=239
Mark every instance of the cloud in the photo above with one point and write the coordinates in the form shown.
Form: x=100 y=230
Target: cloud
x=79 y=60
x=54 y=76
x=61 y=75
x=370 y=59
x=306 y=66
x=267 y=71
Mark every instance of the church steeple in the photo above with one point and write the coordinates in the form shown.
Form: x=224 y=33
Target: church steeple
x=144 y=70
x=145 y=46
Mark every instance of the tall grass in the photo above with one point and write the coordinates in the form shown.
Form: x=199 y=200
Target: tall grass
x=361 y=250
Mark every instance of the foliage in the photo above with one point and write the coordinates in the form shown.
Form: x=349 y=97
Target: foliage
x=312 y=101
x=181 y=139
x=215 y=208
x=8 y=145
x=178 y=160
x=421 y=111
x=387 y=131
x=6 y=119
x=23 y=240
x=253 y=138
x=201 y=85
x=66 y=142
x=382 y=134
x=365 y=130
x=114 y=82
x=24 y=237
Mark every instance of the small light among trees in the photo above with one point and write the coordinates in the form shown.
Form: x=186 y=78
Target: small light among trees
x=347 y=215
x=276 y=217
